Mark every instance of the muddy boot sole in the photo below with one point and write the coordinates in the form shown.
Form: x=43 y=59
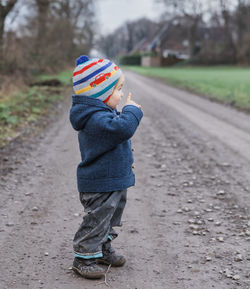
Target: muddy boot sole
x=89 y=275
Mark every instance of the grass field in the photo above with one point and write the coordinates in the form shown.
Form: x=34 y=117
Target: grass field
x=229 y=85
x=65 y=77
x=25 y=107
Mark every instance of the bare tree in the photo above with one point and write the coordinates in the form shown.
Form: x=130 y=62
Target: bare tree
x=60 y=28
x=242 y=19
x=228 y=37
x=49 y=36
x=242 y=23
x=4 y=11
x=193 y=11
x=42 y=24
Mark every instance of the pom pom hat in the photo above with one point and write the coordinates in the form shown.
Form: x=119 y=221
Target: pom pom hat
x=95 y=77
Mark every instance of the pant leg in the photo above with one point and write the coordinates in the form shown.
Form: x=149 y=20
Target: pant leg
x=96 y=225
x=117 y=216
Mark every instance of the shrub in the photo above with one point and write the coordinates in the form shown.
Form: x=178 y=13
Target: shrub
x=130 y=60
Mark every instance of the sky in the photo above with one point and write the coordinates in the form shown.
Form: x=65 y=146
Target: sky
x=113 y=13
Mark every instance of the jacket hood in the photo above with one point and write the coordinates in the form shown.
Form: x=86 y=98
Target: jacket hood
x=83 y=107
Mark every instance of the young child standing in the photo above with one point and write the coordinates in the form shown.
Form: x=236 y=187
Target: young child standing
x=105 y=172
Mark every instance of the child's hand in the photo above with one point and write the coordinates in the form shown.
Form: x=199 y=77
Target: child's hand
x=131 y=102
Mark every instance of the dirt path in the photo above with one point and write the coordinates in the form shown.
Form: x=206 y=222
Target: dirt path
x=186 y=223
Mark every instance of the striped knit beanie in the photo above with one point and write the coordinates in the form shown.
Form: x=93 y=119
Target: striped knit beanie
x=95 y=77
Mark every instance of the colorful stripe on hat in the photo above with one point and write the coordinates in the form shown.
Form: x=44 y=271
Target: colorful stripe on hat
x=91 y=86
x=105 y=89
x=92 y=74
x=87 y=67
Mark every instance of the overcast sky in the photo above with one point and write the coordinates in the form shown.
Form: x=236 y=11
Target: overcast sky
x=112 y=13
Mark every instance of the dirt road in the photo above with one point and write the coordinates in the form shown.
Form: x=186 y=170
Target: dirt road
x=186 y=223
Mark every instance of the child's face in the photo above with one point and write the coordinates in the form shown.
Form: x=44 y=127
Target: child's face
x=117 y=94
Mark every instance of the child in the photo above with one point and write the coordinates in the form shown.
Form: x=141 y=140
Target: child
x=105 y=172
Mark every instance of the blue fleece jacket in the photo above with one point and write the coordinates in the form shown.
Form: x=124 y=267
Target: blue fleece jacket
x=104 y=140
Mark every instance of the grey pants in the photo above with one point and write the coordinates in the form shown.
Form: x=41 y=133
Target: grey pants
x=104 y=211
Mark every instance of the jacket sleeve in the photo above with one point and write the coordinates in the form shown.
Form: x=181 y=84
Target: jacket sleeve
x=117 y=128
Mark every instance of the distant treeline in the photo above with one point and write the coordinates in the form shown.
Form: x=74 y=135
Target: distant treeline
x=48 y=34
x=209 y=32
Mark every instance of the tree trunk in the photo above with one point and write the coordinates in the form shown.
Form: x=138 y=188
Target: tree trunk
x=130 y=37
x=242 y=21
x=4 y=11
x=42 y=22
x=228 y=36
x=192 y=30
x=1 y=43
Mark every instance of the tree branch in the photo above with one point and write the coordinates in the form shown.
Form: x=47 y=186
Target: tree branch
x=8 y=7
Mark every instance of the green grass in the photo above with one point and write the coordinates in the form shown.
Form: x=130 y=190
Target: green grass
x=25 y=107
x=64 y=77
x=226 y=84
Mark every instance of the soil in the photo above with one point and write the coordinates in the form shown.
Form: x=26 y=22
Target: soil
x=186 y=223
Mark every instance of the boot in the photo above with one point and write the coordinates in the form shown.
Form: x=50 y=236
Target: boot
x=110 y=257
x=88 y=268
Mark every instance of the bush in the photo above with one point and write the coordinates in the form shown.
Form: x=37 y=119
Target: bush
x=130 y=60
x=213 y=53
x=244 y=51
